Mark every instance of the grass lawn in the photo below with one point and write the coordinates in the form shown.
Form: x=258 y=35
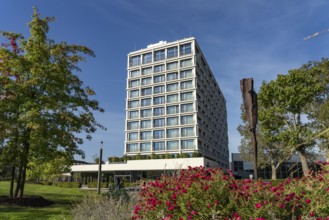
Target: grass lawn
x=63 y=199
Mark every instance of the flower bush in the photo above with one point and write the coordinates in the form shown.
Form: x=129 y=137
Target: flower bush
x=200 y=193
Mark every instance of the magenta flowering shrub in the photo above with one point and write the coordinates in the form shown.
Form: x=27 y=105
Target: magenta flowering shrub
x=200 y=193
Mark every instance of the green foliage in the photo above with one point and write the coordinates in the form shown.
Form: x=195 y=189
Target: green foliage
x=43 y=103
x=118 y=195
x=94 y=185
x=68 y=184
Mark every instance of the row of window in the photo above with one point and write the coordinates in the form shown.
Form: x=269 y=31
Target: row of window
x=144 y=113
x=160 y=89
x=160 y=68
x=161 y=146
x=160 y=134
x=186 y=96
x=160 y=122
x=162 y=54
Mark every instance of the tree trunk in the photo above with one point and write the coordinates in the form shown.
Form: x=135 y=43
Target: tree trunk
x=25 y=162
x=273 y=170
x=19 y=179
x=12 y=182
x=303 y=160
x=327 y=156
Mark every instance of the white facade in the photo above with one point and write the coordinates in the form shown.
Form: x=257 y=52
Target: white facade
x=174 y=104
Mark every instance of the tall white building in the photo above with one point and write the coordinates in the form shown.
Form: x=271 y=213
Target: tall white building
x=174 y=104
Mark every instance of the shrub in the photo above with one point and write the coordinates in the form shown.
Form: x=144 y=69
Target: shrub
x=68 y=184
x=94 y=185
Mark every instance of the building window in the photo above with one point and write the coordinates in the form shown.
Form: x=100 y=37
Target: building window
x=147 y=81
x=132 y=125
x=172 y=109
x=132 y=147
x=159 y=68
x=134 y=93
x=157 y=146
x=185 y=74
x=186 y=132
x=145 y=146
x=185 y=49
x=133 y=104
x=172 y=76
x=186 y=85
x=147 y=71
x=158 y=122
x=135 y=61
x=172 y=87
x=133 y=136
x=172 y=98
x=172 y=121
x=158 y=134
x=146 y=135
x=134 y=73
x=159 y=89
x=159 y=55
x=160 y=78
x=172 y=52
x=146 y=124
x=187 y=144
x=188 y=119
x=147 y=58
x=172 y=66
x=159 y=100
x=172 y=145
x=134 y=83
x=158 y=111
x=146 y=91
x=186 y=63
x=133 y=114
x=186 y=96
x=146 y=113
x=186 y=108
x=146 y=102
x=172 y=133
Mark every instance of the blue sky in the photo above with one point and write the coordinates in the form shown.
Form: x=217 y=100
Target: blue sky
x=239 y=38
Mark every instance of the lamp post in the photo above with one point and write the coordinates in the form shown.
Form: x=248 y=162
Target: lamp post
x=99 y=168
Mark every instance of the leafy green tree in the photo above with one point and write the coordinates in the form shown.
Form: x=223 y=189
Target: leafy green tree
x=43 y=104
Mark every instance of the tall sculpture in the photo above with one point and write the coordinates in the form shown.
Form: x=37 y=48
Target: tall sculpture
x=249 y=97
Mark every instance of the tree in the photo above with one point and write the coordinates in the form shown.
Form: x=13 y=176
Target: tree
x=43 y=104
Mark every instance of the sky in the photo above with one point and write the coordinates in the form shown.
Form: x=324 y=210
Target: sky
x=239 y=38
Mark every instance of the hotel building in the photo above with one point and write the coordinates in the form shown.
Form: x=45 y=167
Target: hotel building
x=174 y=104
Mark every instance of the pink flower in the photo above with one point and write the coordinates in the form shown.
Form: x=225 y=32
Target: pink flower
x=307 y=200
x=194 y=212
x=311 y=214
x=258 y=205
x=230 y=171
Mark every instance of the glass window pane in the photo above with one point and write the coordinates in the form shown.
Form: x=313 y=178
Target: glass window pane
x=160 y=78
x=172 y=87
x=185 y=49
x=146 y=135
x=172 y=52
x=158 y=122
x=133 y=114
x=146 y=102
x=147 y=71
x=158 y=111
x=146 y=124
x=186 y=63
x=147 y=81
x=159 y=100
x=132 y=147
x=159 y=68
x=133 y=136
x=172 y=109
x=158 y=134
x=186 y=96
x=172 y=133
x=185 y=74
x=159 y=55
x=172 y=145
x=172 y=98
x=146 y=91
x=145 y=146
x=186 y=107
x=132 y=125
x=186 y=132
x=146 y=113
x=134 y=83
x=172 y=121
x=172 y=66
x=157 y=146
x=188 y=119
x=172 y=76
x=147 y=58
x=186 y=85
x=133 y=104
x=158 y=89
x=134 y=73
x=134 y=61
x=187 y=144
x=134 y=93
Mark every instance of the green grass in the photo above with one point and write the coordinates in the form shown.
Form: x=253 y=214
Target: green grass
x=63 y=199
